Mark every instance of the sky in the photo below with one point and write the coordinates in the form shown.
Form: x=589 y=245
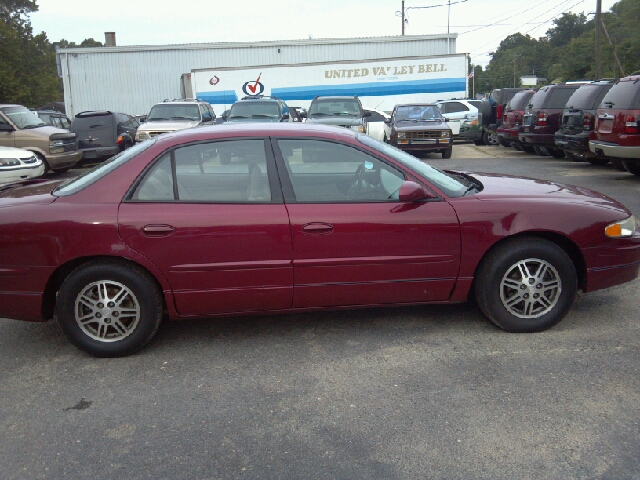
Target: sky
x=480 y=24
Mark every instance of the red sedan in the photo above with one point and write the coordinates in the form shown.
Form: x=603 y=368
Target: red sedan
x=278 y=218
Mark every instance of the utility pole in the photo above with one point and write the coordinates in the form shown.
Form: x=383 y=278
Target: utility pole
x=403 y=17
x=448 y=15
x=598 y=35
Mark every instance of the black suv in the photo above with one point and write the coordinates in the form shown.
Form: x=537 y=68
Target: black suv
x=259 y=108
x=344 y=111
x=102 y=134
x=578 y=120
x=490 y=113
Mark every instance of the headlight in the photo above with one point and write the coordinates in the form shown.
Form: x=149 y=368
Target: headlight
x=142 y=136
x=622 y=229
x=402 y=135
x=9 y=162
x=444 y=133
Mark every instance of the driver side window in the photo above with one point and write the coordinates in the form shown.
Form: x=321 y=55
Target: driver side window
x=327 y=172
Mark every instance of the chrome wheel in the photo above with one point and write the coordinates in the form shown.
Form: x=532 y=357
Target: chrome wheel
x=107 y=311
x=530 y=288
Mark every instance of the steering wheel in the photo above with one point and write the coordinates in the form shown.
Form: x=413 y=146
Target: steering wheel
x=358 y=182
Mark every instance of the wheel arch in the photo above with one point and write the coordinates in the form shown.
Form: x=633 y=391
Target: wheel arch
x=565 y=243
x=64 y=270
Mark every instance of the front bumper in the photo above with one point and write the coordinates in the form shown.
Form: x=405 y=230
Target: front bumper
x=606 y=149
x=612 y=264
x=423 y=145
x=22 y=173
x=63 y=160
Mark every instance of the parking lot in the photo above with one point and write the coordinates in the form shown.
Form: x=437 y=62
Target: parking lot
x=398 y=393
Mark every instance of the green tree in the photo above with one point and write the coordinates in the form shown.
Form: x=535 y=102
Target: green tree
x=567 y=27
x=27 y=66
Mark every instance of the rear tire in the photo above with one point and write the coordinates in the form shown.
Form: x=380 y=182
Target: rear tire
x=556 y=152
x=540 y=150
x=632 y=167
x=503 y=143
x=598 y=161
x=616 y=162
x=478 y=142
x=109 y=309
x=526 y=285
x=528 y=149
x=490 y=138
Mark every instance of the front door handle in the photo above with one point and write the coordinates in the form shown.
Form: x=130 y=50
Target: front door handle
x=317 y=228
x=157 y=230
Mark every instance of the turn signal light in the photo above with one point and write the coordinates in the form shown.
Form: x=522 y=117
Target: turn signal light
x=621 y=229
x=587 y=122
x=542 y=119
x=119 y=140
x=631 y=125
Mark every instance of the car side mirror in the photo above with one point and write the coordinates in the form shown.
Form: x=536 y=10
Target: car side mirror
x=5 y=127
x=206 y=117
x=446 y=119
x=367 y=114
x=410 y=191
x=387 y=121
x=285 y=117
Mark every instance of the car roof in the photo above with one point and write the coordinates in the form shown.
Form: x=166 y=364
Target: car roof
x=417 y=105
x=50 y=112
x=336 y=97
x=237 y=130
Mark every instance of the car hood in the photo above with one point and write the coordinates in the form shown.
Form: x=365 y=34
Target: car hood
x=37 y=190
x=341 y=121
x=167 y=125
x=11 y=152
x=504 y=187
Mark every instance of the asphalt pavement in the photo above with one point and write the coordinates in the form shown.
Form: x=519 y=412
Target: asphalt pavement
x=390 y=393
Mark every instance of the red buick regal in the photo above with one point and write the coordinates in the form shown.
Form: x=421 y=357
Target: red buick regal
x=240 y=219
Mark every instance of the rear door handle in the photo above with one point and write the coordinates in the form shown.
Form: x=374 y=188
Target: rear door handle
x=317 y=228
x=157 y=230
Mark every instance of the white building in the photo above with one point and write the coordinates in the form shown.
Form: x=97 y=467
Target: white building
x=132 y=79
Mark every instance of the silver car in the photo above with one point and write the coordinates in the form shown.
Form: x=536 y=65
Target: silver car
x=172 y=115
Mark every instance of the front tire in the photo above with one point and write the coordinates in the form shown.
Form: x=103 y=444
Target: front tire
x=490 y=138
x=632 y=167
x=109 y=309
x=619 y=164
x=526 y=285
x=541 y=150
x=447 y=153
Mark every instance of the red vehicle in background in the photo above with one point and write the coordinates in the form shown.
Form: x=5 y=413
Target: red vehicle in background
x=512 y=120
x=618 y=125
x=543 y=116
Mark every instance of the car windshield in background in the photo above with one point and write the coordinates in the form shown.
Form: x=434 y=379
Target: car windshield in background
x=23 y=117
x=331 y=108
x=96 y=173
x=475 y=103
x=448 y=183
x=252 y=109
x=417 y=113
x=174 y=112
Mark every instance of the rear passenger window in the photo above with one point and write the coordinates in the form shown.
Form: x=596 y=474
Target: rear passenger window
x=326 y=172
x=216 y=172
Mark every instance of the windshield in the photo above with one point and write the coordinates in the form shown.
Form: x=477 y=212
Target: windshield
x=252 y=109
x=96 y=173
x=174 y=112
x=22 y=117
x=448 y=183
x=324 y=108
x=415 y=113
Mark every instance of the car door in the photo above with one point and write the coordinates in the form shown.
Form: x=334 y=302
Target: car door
x=211 y=217
x=354 y=242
